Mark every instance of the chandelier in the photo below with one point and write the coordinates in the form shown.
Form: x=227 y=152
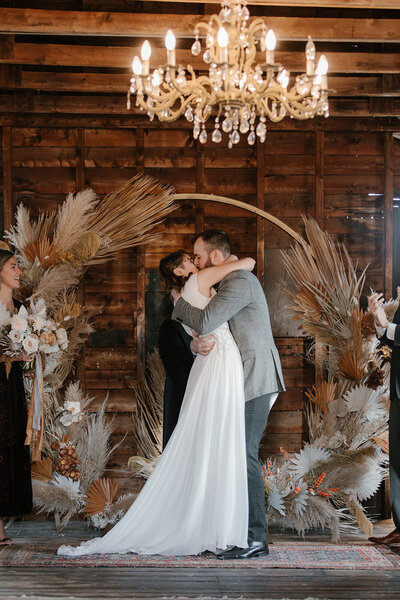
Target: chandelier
x=238 y=93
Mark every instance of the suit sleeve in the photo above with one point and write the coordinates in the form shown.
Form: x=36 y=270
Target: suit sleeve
x=233 y=295
x=175 y=351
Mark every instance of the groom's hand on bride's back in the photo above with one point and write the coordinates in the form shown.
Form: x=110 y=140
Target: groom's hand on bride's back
x=202 y=345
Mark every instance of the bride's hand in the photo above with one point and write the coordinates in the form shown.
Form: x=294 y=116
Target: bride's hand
x=232 y=258
x=248 y=263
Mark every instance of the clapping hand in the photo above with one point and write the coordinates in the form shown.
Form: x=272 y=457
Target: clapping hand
x=375 y=304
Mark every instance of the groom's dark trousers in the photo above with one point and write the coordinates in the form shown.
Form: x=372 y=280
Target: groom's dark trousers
x=256 y=415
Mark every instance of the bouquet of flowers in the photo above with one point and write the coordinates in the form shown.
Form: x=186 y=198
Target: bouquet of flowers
x=30 y=331
x=41 y=339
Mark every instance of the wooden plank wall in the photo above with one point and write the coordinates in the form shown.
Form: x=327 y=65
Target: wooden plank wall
x=346 y=179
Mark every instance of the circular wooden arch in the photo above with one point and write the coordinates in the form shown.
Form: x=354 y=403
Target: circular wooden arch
x=257 y=211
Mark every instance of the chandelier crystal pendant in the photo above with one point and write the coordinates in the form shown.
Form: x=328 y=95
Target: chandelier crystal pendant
x=238 y=93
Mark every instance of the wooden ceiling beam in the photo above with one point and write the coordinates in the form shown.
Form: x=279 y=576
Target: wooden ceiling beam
x=121 y=57
x=105 y=121
x=366 y=4
x=12 y=77
x=56 y=22
x=115 y=105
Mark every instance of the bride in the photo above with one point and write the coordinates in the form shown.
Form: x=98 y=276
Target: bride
x=196 y=497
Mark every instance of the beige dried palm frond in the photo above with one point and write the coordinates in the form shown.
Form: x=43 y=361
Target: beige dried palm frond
x=103 y=491
x=126 y=217
x=42 y=249
x=322 y=394
x=142 y=467
x=73 y=218
x=43 y=469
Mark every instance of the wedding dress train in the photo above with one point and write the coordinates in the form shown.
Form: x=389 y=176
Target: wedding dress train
x=196 y=497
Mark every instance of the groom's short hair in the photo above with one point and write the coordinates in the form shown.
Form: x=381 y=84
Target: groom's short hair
x=215 y=239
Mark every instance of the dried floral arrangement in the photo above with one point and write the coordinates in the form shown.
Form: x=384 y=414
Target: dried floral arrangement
x=54 y=250
x=325 y=483
x=343 y=464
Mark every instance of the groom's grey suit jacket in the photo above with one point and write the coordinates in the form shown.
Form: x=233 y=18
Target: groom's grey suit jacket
x=241 y=302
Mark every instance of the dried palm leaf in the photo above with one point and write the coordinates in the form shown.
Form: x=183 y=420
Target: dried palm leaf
x=322 y=394
x=351 y=364
x=83 y=250
x=44 y=250
x=43 y=469
x=55 y=281
x=383 y=441
x=126 y=217
x=102 y=492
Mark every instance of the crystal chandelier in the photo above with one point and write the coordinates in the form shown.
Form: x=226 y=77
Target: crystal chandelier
x=238 y=93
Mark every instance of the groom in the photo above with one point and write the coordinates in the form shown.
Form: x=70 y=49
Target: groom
x=241 y=302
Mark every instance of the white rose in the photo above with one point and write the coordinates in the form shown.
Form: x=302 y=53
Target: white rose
x=18 y=322
x=16 y=335
x=30 y=344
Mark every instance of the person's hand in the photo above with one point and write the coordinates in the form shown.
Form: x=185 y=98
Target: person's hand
x=202 y=345
x=248 y=263
x=375 y=304
x=232 y=258
x=175 y=295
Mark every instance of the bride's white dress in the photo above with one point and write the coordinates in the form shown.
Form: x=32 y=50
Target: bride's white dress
x=196 y=497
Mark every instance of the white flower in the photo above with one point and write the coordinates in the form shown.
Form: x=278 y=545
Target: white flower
x=50 y=364
x=307 y=458
x=62 y=338
x=31 y=343
x=16 y=335
x=38 y=323
x=67 y=419
x=366 y=401
x=19 y=322
x=74 y=407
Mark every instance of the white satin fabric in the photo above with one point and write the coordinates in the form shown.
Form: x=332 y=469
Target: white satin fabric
x=196 y=497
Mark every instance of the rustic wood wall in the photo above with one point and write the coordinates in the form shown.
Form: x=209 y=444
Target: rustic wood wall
x=345 y=175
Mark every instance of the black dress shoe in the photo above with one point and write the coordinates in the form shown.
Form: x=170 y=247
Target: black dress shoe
x=255 y=549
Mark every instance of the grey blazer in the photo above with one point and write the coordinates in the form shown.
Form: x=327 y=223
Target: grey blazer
x=241 y=302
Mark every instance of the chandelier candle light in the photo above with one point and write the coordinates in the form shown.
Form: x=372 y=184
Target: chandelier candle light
x=240 y=92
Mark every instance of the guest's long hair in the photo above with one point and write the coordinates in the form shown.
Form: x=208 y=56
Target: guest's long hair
x=5 y=255
x=166 y=268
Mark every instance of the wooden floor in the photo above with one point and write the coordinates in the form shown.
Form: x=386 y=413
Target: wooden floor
x=179 y=583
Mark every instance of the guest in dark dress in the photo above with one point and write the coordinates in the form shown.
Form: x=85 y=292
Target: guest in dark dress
x=15 y=476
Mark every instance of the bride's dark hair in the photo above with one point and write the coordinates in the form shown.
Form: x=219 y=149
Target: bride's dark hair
x=166 y=269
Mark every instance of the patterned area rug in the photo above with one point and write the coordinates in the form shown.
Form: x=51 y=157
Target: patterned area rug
x=296 y=556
